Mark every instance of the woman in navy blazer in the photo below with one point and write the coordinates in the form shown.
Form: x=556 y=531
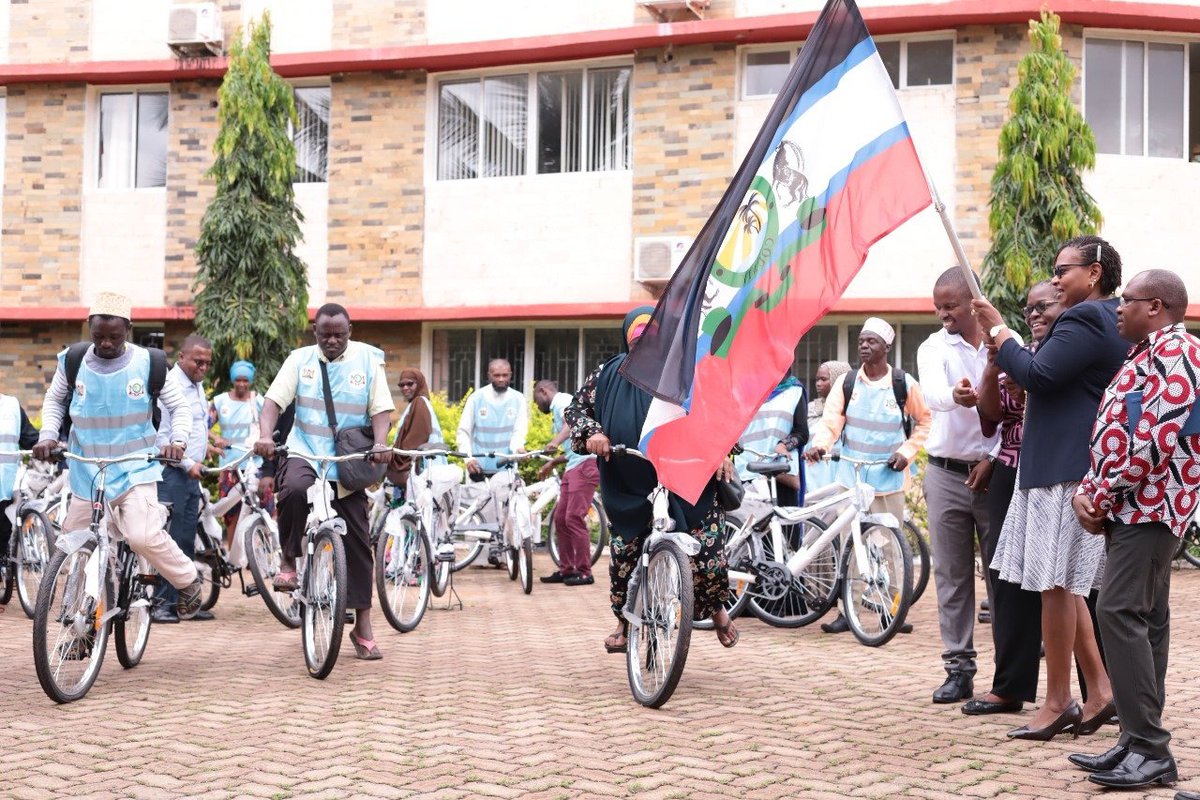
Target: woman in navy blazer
x=1041 y=546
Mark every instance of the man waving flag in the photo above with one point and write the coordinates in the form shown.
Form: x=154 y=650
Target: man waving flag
x=832 y=171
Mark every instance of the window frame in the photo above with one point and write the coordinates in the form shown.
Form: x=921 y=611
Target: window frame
x=92 y=136
x=313 y=83
x=1145 y=38
x=531 y=73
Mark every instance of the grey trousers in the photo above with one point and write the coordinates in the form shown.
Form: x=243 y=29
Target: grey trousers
x=957 y=517
x=1135 y=624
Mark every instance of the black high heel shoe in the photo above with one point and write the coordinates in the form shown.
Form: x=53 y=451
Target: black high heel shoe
x=1090 y=726
x=1069 y=719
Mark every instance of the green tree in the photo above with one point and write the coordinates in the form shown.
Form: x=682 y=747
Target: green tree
x=1038 y=199
x=252 y=295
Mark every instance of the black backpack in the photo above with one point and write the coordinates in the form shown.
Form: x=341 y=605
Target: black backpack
x=899 y=389
x=158 y=377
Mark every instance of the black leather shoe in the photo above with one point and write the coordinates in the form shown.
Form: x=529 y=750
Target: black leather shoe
x=163 y=616
x=906 y=628
x=1101 y=763
x=839 y=625
x=1067 y=721
x=985 y=618
x=958 y=686
x=1090 y=726
x=203 y=616
x=553 y=577
x=1187 y=796
x=1136 y=771
x=978 y=707
x=579 y=580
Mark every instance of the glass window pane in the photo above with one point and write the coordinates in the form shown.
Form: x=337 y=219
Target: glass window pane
x=1165 y=101
x=1102 y=72
x=599 y=345
x=312 y=134
x=507 y=343
x=453 y=362
x=556 y=357
x=458 y=130
x=116 y=141
x=1135 y=105
x=505 y=116
x=930 y=63
x=889 y=52
x=608 y=119
x=560 y=111
x=1194 y=104
x=153 y=123
x=816 y=347
x=911 y=337
x=765 y=73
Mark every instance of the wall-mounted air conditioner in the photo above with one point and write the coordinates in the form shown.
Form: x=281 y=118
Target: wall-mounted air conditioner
x=194 y=30
x=655 y=258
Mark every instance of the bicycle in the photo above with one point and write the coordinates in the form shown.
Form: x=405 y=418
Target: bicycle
x=1189 y=544
x=546 y=492
x=406 y=571
x=658 y=604
x=32 y=541
x=85 y=591
x=877 y=566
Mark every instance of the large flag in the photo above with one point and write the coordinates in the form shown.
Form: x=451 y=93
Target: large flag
x=832 y=171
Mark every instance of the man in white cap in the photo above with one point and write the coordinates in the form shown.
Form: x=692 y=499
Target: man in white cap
x=109 y=387
x=882 y=412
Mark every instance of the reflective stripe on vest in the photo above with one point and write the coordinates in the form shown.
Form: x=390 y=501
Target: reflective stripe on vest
x=10 y=437
x=874 y=431
x=237 y=419
x=494 y=423
x=770 y=426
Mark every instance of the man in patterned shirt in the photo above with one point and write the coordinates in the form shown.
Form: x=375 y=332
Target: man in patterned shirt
x=1141 y=493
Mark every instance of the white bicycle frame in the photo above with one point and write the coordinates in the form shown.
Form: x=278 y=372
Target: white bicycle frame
x=211 y=513
x=515 y=516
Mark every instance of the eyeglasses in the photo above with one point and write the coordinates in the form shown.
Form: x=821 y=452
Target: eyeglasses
x=1061 y=269
x=404 y=384
x=1039 y=307
x=1127 y=300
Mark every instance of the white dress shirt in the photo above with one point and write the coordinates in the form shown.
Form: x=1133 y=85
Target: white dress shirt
x=197 y=410
x=942 y=361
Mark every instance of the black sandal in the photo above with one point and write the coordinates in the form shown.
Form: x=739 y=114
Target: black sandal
x=617 y=648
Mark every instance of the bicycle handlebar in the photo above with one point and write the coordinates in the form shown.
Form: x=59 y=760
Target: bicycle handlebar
x=231 y=465
x=425 y=454
x=105 y=462
x=516 y=458
x=620 y=448
x=754 y=452
x=361 y=455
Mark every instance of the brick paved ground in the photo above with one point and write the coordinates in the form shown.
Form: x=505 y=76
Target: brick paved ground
x=514 y=697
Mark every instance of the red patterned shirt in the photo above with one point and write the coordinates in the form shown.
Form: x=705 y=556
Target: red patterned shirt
x=1155 y=476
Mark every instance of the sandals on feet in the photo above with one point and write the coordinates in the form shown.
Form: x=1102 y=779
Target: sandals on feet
x=723 y=635
x=286 y=582
x=617 y=642
x=366 y=649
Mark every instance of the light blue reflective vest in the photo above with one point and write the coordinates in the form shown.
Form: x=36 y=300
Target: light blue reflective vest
x=557 y=406
x=350 y=380
x=874 y=431
x=770 y=426
x=494 y=423
x=239 y=423
x=111 y=416
x=10 y=443
x=435 y=435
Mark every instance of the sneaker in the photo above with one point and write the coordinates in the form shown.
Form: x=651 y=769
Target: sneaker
x=579 y=580
x=188 y=603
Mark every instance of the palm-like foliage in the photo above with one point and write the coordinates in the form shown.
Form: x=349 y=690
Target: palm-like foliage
x=1038 y=198
x=252 y=294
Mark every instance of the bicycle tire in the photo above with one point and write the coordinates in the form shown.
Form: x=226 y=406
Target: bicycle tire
x=665 y=605
x=209 y=571
x=525 y=565
x=814 y=592
x=33 y=534
x=323 y=608
x=263 y=553
x=392 y=579
x=921 y=572
x=441 y=576
x=597 y=520
x=7 y=581
x=739 y=597
x=883 y=592
x=471 y=548
x=132 y=625
x=1189 y=545
x=511 y=565
x=57 y=603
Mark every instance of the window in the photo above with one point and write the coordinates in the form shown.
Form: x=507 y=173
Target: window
x=765 y=72
x=921 y=62
x=816 y=347
x=577 y=120
x=311 y=134
x=1134 y=96
x=133 y=140
x=911 y=336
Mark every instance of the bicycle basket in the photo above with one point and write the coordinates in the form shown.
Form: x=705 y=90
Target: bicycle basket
x=37 y=477
x=444 y=478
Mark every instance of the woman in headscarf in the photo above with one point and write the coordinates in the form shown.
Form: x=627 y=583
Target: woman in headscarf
x=822 y=472
x=418 y=424
x=610 y=410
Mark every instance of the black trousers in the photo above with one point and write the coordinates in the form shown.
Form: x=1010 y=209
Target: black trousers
x=1016 y=613
x=1135 y=623
x=291 y=501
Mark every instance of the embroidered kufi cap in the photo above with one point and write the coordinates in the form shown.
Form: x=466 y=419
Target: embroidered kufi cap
x=111 y=304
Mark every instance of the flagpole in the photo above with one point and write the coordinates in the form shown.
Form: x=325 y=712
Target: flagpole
x=959 y=253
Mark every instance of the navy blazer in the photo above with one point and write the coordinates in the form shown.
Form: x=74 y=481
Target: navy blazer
x=1065 y=380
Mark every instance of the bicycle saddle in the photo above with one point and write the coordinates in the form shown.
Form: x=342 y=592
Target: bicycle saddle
x=769 y=467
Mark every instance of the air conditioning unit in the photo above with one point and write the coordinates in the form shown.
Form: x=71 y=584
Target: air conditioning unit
x=655 y=258
x=675 y=10
x=194 y=30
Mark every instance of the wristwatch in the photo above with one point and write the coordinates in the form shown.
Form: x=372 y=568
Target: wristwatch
x=995 y=331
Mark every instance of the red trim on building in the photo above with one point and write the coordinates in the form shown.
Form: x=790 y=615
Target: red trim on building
x=884 y=20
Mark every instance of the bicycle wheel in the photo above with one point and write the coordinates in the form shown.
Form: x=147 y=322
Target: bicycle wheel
x=7 y=579
x=1189 y=545
x=919 y=546
x=133 y=623
x=323 y=608
x=263 y=553
x=510 y=562
x=403 y=574
x=68 y=638
x=209 y=570
x=441 y=570
x=740 y=560
x=525 y=565
x=812 y=593
x=34 y=544
x=875 y=595
x=657 y=648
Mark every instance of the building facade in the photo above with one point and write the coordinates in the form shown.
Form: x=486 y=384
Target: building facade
x=507 y=179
